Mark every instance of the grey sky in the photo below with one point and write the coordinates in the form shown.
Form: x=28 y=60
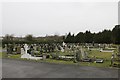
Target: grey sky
x=41 y=18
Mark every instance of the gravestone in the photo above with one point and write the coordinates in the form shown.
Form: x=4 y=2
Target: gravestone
x=88 y=48
x=63 y=44
x=82 y=53
x=85 y=55
x=44 y=56
x=26 y=48
x=35 y=47
x=18 y=50
x=78 y=55
x=22 y=51
x=9 y=49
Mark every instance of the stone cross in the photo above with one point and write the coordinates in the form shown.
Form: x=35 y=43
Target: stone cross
x=26 y=48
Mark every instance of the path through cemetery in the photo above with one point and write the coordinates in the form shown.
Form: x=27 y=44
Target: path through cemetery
x=27 y=69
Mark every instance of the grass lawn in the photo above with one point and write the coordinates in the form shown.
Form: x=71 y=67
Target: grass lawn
x=0 y=54
x=98 y=54
x=17 y=56
x=105 y=64
x=58 y=61
x=3 y=55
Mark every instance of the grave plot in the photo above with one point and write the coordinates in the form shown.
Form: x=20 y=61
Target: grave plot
x=33 y=52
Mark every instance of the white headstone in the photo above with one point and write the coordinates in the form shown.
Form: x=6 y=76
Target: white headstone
x=63 y=44
x=26 y=48
x=22 y=51
x=88 y=48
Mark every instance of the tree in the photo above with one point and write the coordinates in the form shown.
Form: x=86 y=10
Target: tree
x=80 y=38
x=68 y=38
x=29 y=38
x=116 y=34
x=106 y=36
x=8 y=39
x=88 y=37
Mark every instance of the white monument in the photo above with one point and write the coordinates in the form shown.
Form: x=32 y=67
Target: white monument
x=26 y=48
x=26 y=55
x=63 y=44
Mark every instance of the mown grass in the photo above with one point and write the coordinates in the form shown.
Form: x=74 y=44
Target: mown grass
x=104 y=64
x=58 y=61
x=98 y=54
x=0 y=54
x=17 y=56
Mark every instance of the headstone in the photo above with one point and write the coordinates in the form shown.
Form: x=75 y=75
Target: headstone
x=78 y=55
x=18 y=50
x=63 y=44
x=44 y=56
x=22 y=51
x=25 y=54
x=112 y=60
x=26 y=48
x=85 y=55
x=82 y=53
x=9 y=49
x=35 y=48
x=88 y=48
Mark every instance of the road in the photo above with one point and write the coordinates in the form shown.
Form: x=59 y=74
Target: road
x=30 y=69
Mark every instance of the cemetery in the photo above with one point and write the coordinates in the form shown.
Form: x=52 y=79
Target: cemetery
x=65 y=53
x=100 y=49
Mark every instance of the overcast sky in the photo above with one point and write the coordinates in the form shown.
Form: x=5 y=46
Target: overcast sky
x=57 y=17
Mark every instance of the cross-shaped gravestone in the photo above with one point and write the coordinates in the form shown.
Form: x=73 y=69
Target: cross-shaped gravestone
x=26 y=48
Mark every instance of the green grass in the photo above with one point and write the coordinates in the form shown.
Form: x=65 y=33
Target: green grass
x=98 y=54
x=58 y=61
x=0 y=54
x=17 y=56
x=3 y=55
x=105 y=64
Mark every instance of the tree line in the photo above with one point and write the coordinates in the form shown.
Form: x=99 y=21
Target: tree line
x=106 y=36
x=30 y=39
